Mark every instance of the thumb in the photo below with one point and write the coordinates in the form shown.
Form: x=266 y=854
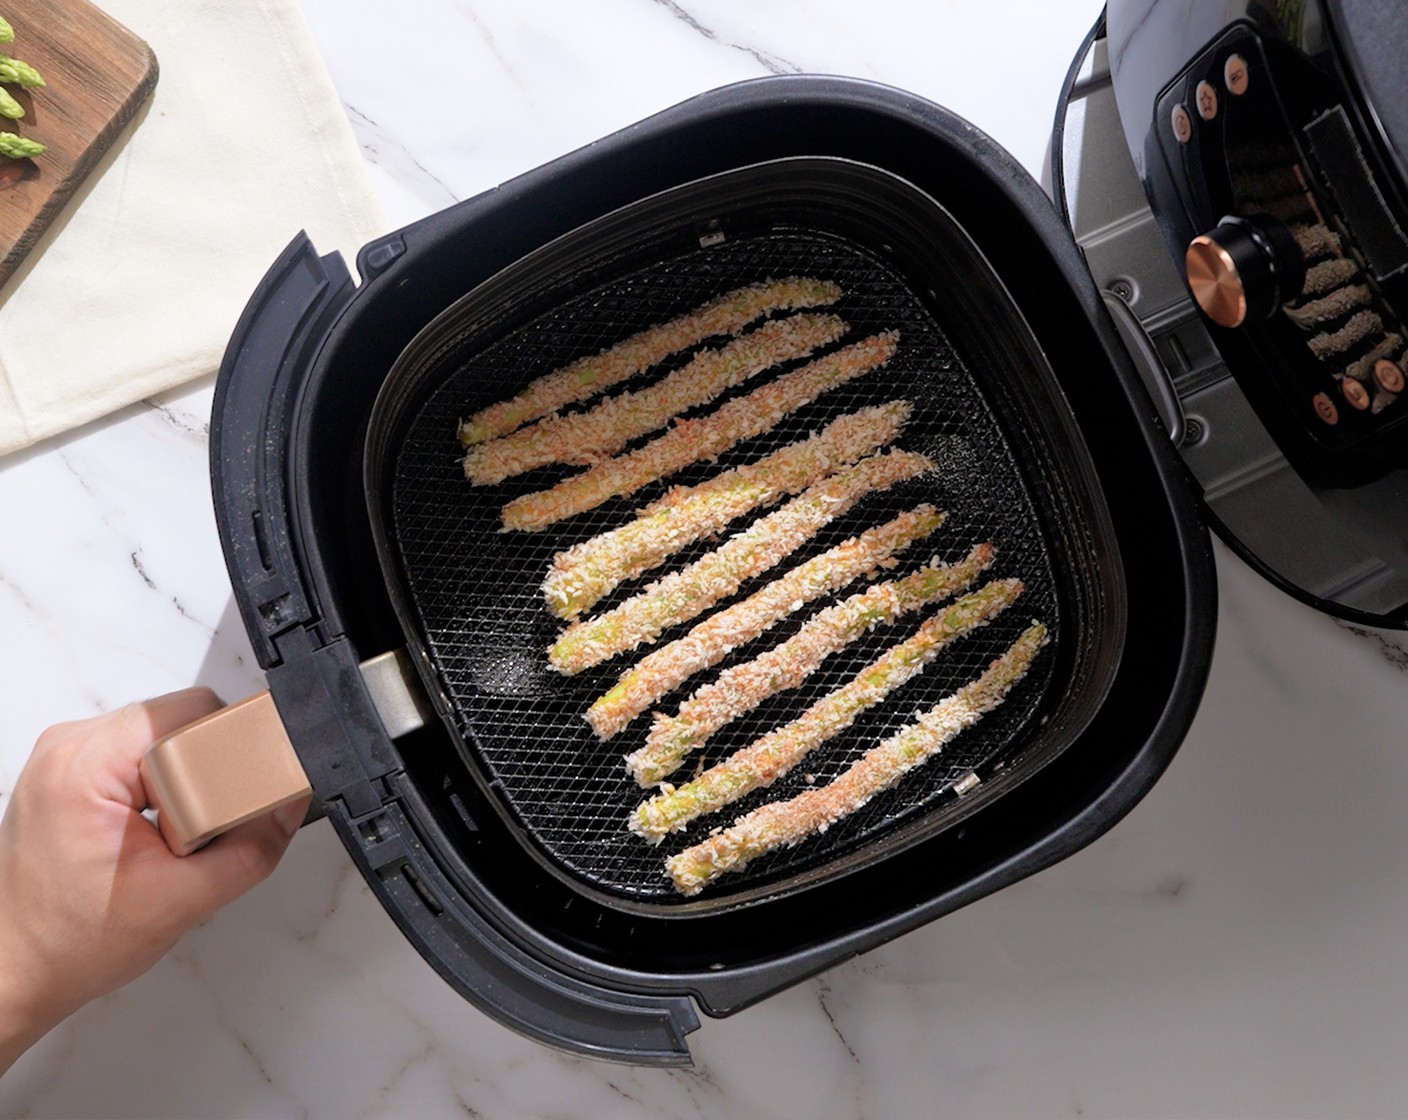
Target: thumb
x=240 y=859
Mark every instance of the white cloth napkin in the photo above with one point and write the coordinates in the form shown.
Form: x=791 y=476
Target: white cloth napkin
x=138 y=285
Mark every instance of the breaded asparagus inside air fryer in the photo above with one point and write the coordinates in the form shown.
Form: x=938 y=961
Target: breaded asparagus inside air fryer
x=784 y=823
x=724 y=315
x=697 y=439
x=685 y=594
x=721 y=633
x=774 y=754
x=584 y=573
x=586 y=437
x=744 y=686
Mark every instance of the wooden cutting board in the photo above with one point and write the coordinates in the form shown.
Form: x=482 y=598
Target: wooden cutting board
x=98 y=74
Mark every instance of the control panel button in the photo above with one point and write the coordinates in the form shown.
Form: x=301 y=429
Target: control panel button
x=1206 y=98
x=1325 y=408
x=1388 y=375
x=1182 y=124
x=1243 y=268
x=1355 y=393
x=1234 y=75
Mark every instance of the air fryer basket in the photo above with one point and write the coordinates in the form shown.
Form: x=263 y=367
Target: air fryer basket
x=1011 y=468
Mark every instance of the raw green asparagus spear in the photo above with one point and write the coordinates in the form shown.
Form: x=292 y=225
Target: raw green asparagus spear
x=18 y=147
x=9 y=107
x=7 y=33
x=19 y=73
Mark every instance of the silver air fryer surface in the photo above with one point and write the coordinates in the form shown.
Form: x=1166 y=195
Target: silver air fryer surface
x=477 y=591
x=1327 y=351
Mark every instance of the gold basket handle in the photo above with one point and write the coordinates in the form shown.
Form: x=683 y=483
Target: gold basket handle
x=227 y=768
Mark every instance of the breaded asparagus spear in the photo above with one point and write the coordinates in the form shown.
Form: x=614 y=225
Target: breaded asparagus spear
x=742 y=687
x=704 y=437
x=768 y=758
x=682 y=595
x=784 y=823
x=587 y=437
x=726 y=314
x=720 y=634
x=587 y=571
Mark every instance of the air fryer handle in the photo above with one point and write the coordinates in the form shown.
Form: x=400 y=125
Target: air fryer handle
x=239 y=763
x=227 y=768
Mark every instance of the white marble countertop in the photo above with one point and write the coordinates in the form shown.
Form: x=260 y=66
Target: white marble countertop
x=1235 y=947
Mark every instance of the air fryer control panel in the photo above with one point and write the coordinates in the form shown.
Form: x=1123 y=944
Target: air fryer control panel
x=1216 y=170
x=1252 y=129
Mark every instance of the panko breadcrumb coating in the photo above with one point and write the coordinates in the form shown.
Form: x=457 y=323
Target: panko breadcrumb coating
x=590 y=436
x=720 y=634
x=784 y=823
x=703 y=437
x=1327 y=308
x=589 y=570
x=725 y=315
x=683 y=594
x=744 y=686
x=1328 y=275
x=768 y=758
x=1356 y=329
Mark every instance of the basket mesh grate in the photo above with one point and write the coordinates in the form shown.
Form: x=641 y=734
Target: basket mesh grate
x=477 y=591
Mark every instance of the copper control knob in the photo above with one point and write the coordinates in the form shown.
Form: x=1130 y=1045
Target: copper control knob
x=1245 y=268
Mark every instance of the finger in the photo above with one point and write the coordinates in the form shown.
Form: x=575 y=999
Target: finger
x=233 y=863
x=114 y=748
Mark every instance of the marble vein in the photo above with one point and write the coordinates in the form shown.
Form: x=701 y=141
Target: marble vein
x=692 y=1081
x=188 y=957
x=1389 y=647
x=823 y=997
x=141 y=570
x=491 y=44
x=17 y=592
x=178 y=420
x=465 y=1107
x=770 y=62
x=384 y=150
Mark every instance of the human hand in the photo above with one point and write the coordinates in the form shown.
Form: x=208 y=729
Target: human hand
x=90 y=895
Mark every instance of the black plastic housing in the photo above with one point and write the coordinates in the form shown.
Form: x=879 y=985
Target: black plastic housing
x=293 y=398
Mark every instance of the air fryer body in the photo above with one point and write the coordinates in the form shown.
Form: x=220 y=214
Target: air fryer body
x=295 y=392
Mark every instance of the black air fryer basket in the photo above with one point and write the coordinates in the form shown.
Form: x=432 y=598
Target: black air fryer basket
x=495 y=836
x=1010 y=468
